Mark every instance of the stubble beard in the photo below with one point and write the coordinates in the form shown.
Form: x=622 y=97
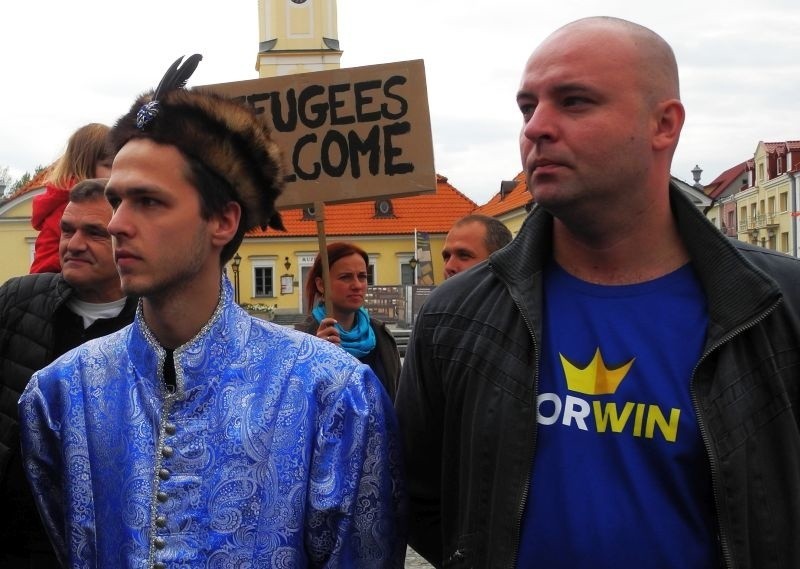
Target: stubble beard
x=179 y=270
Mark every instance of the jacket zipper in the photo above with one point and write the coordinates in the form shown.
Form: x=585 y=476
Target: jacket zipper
x=723 y=537
x=518 y=522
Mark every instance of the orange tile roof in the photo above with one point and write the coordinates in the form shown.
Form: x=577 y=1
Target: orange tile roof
x=517 y=198
x=434 y=213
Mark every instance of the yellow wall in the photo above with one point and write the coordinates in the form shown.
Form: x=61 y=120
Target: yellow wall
x=16 y=236
x=386 y=253
x=514 y=219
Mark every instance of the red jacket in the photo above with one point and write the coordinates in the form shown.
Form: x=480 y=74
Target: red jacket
x=47 y=209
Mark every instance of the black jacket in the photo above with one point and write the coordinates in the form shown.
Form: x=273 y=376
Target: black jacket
x=29 y=307
x=466 y=401
x=385 y=344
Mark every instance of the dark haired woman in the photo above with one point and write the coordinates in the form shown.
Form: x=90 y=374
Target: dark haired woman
x=350 y=325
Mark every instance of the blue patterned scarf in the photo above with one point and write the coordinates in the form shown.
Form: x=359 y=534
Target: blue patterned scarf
x=360 y=339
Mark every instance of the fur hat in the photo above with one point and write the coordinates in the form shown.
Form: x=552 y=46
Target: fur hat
x=221 y=133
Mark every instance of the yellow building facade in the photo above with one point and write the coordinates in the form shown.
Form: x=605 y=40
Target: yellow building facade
x=17 y=236
x=273 y=271
x=399 y=235
x=765 y=209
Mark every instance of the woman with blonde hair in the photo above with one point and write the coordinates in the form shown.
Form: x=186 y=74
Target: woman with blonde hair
x=349 y=325
x=86 y=156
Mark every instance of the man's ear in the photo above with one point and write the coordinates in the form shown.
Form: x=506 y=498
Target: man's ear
x=668 y=122
x=225 y=224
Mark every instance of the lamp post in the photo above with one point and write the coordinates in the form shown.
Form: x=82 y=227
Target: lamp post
x=413 y=264
x=237 y=260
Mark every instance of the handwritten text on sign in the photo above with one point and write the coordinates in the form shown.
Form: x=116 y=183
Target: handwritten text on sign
x=347 y=134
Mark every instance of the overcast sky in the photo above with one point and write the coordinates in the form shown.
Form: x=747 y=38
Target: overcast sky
x=64 y=64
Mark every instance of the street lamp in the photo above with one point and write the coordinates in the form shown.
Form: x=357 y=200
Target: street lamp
x=287 y=263
x=237 y=260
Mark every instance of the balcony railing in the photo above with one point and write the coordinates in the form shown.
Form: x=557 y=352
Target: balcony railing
x=760 y=221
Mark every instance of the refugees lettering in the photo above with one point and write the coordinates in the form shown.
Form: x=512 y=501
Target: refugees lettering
x=334 y=151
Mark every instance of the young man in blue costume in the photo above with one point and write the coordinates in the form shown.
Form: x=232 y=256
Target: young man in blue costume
x=623 y=389
x=200 y=436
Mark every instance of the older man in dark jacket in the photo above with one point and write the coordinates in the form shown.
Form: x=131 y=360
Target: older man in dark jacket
x=41 y=317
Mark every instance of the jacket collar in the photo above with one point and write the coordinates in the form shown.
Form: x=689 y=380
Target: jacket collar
x=736 y=291
x=194 y=364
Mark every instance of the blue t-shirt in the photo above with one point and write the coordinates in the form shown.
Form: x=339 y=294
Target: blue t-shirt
x=620 y=476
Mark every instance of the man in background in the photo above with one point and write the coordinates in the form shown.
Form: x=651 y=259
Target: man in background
x=471 y=240
x=41 y=317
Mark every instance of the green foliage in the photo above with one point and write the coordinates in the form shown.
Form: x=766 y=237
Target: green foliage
x=26 y=177
x=24 y=180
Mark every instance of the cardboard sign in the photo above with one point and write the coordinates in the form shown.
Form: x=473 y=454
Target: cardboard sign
x=347 y=135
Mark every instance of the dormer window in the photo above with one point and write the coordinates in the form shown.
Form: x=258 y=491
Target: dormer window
x=384 y=208
x=308 y=213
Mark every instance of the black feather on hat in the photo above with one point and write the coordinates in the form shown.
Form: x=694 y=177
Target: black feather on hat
x=223 y=134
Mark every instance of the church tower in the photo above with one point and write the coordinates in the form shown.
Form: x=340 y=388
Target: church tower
x=296 y=36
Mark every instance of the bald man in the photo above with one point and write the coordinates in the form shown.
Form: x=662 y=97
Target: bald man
x=622 y=389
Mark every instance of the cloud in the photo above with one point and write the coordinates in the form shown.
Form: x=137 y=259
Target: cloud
x=69 y=63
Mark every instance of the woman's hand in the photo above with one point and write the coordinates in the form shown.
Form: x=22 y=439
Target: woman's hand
x=327 y=331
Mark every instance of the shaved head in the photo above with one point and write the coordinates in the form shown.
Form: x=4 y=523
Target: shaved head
x=655 y=63
x=602 y=118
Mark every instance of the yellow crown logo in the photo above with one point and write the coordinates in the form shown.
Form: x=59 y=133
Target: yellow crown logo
x=595 y=378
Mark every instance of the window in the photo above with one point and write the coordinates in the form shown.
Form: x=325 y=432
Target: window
x=371 y=273
x=406 y=274
x=384 y=208
x=784 y=201
x=263 y=278
x=771 y=205
x=785 y=242
x=780 y=165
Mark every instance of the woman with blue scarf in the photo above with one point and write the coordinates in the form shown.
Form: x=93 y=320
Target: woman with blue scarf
x=350 y=325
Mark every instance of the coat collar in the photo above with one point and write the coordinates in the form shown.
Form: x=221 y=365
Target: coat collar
x=737 y=292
